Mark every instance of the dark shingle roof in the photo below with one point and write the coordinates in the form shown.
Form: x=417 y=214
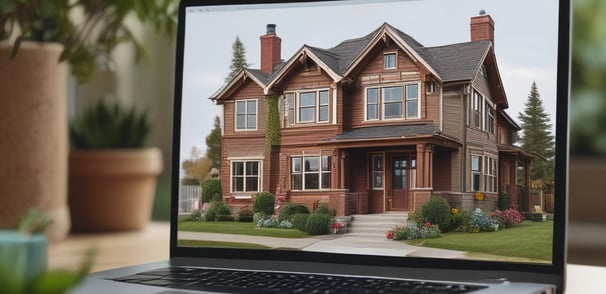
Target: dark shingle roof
x=261 y=76
x=453 y=62
x=384 y=132
x=457 y=62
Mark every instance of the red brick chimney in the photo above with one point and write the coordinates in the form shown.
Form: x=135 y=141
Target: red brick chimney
x=271 y=47
x=482 y=27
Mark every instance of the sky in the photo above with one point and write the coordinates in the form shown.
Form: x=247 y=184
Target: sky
x=525 y=44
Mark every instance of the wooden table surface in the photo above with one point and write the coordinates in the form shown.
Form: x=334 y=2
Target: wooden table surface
x=151 y=244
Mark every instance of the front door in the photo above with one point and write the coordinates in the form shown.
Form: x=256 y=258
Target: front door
x=399 y=180
x=401 y=177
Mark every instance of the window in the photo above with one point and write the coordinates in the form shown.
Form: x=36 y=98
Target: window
x=307 y=107
x=476 y=171
x=412 y=101
x=290 y=108
x=489 y=119
x=377 y=172
x=246 y=115
x=389 y=61
x=476 y=106
x=393 y=101
x=431 y=87
x=245 y=176
x=372 y=104
x=484 y=173
x=310 y=172
x=490 y=174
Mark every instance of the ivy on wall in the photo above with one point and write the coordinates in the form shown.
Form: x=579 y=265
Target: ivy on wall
x=272 y=121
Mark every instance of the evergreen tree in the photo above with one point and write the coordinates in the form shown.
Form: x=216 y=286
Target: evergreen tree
x=213 y=145
x=537 y=138
x=238 y=59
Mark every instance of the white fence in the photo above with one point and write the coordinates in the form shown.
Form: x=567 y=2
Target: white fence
x=189 y=198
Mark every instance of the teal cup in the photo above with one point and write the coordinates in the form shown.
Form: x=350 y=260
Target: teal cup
x=22 y=258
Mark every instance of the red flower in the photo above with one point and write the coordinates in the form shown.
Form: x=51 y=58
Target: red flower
x=389 y=235
x=427 y=224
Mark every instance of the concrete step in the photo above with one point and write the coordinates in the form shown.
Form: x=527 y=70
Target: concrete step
x=375 y=224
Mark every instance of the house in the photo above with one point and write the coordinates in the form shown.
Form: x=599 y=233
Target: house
x=374 y=124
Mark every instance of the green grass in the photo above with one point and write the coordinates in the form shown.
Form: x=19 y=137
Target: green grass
x=528 y=240
x=239 y=228
x=219 y=244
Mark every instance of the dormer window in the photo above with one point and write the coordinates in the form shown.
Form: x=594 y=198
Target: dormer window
x=389 y=61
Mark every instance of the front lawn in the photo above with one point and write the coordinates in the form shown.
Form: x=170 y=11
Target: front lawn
x=241 y=228
x=219 y=244
x=529 y=239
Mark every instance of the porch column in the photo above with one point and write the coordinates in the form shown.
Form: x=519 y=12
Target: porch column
x=424 y=166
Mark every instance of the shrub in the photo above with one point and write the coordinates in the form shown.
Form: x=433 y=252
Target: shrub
x=481 y=222
x=257 y=216
x=216 y=208
x=196 y=215
x=245 y=214
x=460 y=221
x=318 y=224
x=437 y=211
x=299 y=221
x=264 y=203
x=211 y=191
x=504 y=200
x=290 y=209
x=324 y=209
x=508 y=217
x=268 y=222
x=416 y=231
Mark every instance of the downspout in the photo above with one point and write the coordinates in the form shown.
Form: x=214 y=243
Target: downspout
x=441 y=110
x=466 y=93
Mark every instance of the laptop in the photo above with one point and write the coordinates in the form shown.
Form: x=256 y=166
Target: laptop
x=360 y=115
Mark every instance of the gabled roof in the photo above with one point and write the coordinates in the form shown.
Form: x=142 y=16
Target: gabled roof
x=448 y=63
x=260 y=78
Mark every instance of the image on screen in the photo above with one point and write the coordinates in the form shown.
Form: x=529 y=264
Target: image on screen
x=397 y=128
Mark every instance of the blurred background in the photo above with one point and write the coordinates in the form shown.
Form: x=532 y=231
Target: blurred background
x=149 y=85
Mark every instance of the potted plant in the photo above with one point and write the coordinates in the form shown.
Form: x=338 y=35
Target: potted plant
x=112 y=178
x=38 y=40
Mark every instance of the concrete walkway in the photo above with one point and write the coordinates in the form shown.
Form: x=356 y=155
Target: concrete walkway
x=340 y=243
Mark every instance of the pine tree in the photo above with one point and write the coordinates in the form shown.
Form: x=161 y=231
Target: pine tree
x=238 y=59
x=537 y=138
x=213 y=145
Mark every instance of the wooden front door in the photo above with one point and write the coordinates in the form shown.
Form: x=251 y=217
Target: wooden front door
x=401 y=176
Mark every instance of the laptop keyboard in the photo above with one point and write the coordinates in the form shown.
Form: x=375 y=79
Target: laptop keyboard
x=243 y=281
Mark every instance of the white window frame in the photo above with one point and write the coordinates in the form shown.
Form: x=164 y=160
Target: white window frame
x=489 y=118
x=476 y=102
x=245 y=176
x=246 y=114
x=320 y=172
x=476 y=172
x=378 y=171
x=490 y=174
x=387 y=63
x=292 y=110
x=404 y=101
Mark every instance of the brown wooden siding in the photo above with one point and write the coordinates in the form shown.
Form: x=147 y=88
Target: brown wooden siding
x=457 y=170
x=249 y=90
x=453 y=112
x=233 y=148
x=373 y=75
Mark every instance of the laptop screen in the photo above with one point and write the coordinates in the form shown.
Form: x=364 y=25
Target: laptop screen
x=404 y=129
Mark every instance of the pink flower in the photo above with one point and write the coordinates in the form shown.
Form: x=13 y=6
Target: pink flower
x=389 y=235
x=427 y=224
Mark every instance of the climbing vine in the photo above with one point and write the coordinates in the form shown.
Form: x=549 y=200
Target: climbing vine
x=272 y=121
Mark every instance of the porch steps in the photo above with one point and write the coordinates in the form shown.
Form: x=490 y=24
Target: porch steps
x=374 y=225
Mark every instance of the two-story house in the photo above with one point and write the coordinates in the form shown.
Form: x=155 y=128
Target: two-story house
x=374 y=124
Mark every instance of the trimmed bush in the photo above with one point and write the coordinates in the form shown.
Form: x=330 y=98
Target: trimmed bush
x=299 y=221
x=245 y=214
x=264 y=203
x=211 y=191
x=318 y=224
x=216 y=208
x=324 y=209
x=437 y=212
x=196 y=215
x=224 y=218
x=288 y=211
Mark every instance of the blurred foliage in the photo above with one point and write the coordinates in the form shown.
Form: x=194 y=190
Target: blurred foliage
x=588 y=103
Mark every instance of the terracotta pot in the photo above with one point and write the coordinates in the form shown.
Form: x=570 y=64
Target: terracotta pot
x=112 y=189
x=33 y=135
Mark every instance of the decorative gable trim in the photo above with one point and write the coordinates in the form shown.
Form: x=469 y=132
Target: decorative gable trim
x=301 y=56
x=232 y=85
x=384 y=35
